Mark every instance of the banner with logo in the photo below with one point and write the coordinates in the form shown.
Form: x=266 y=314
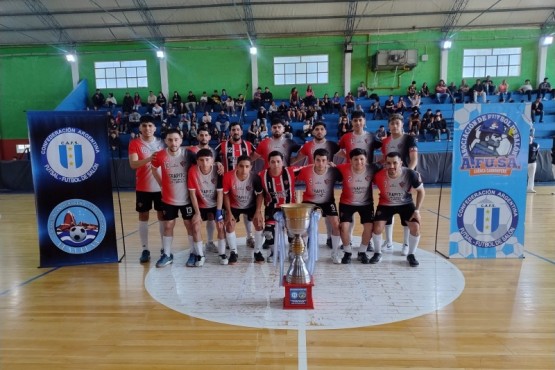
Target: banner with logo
x=488 y=194
x=73 y=189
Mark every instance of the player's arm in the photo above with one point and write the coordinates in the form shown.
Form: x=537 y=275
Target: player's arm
x=219 y=205
x=420 y=193
x=135 y=162
x=413 y=158
x=193 y=195
x=299 y=158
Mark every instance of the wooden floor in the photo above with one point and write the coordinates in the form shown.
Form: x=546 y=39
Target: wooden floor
x=101 y=316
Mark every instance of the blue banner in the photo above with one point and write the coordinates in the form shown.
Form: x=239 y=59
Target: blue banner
x=73 y=191
x=488 y=194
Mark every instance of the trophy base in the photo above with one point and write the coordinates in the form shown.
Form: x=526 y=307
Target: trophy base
x=298 y=296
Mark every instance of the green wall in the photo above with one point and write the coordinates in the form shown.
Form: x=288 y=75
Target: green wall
x=39 y=77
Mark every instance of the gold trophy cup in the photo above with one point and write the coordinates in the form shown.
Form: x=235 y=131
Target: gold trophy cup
x=297 y=220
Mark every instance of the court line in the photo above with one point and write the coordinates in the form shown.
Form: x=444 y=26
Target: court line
x=301 y=346
x=7 y=291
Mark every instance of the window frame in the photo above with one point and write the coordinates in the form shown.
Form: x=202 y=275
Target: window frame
x=301 y=70
x=121 y=74
x=494 y=62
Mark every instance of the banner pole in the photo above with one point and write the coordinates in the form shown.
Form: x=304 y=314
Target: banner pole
x=116 y=178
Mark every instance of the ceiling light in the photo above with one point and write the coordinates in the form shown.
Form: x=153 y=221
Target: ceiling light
x=547 y=40
x=446 y=44
x=253 y=50
x=71 y=58
x=160 y=54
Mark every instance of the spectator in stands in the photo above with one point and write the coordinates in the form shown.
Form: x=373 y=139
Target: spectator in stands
x=301 y=112
x=267 y=98
x=171 y=115
x=489 y=86
x=350 y=102
x=318 y=110
x=427 y=119
x=533 y=150
x=336 y=102
x=415 y=125
x=224 y=96
x=412 y=90
x=111 y=101
x=415 y=100
x=256 y=99
x=343 y=127
x=98 y=99
x=207 y=119
x=440 y=125
x=191 y=103
x=287 y=130
x=272 y=110
x=112 y=125
x=464 y=91
x=157 y=112
x=151 y=100
x=127 y=104
x=177 y=103
x=425 y=90
x=453 y=92
x=479 y=90
x=389 y=106
x=282 y=112
x=230 y=106
x=194 y=118
x=441 y=92
x=134 y=119
x=362 y=91
x=401 y=106
x=526 y=89
x=162 y=101
x=309 y=98
x=215 y=102
x=193 y=132
x=537 y=109
x=222 y=121
x=184 y=122
x=545 y=88
x=115 y=145
x=262 y=116
x=381 y=133
x=376 y=109
x=121 y=122
x=294 y=97
x=343 y=112
x=326 y=104
x=137 y=103
x=240 y=104
x=504 y=92
x=203 y=102
x=431 y=129
x=359 y=108
x=253 y=134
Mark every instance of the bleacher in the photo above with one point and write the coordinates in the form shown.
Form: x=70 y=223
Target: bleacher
x=543 y=131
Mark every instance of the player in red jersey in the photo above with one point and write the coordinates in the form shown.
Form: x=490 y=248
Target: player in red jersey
x=395 y=185
x=173 y=164
x=278 y=183
x=228 y=153
x=206 y=192
x=147 y=187
x=359 y=138
x=278 y=142
x=243 y=195
x=405 y=145
x=320 y=180
x=356 y=197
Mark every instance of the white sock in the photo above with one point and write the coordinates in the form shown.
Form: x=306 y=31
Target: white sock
x=413 y=243
x=362 y=248
x=210 y=228
x=198 y=248
x=377 y=239
x=143 y=234
x=232 y=241
x=221 y=246
x=167 y=245
x=248 y=226
x=258 y=240
x=351 y=228
x=389 y=233
x=406 y=233
x=335 y=242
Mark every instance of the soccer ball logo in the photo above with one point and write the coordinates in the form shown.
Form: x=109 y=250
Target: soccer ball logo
x=78 y=234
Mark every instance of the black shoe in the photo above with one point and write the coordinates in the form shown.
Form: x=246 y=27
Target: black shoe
x=267 y=244
x=375 y=258
x=346 y=258
x=145 y=256
x=363 y=257
x=413 y=262
x=328 y=242
x=232 y=260
x=370 y=247
x=258 y=257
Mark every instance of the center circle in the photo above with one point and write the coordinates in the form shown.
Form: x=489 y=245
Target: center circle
x=345 y=296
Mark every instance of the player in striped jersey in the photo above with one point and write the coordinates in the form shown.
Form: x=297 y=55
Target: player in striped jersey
x=395 y=185
x=173 y=164
x=206 y=192
x=228 y=153
x=147 y=187
x=243 y=195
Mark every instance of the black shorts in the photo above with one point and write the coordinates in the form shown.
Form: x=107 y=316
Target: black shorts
x=347 y=211
x=205 y=212
x=172 y=212
x=249 y=212
x=405 y=211
x=328 y=209
x=145 y=199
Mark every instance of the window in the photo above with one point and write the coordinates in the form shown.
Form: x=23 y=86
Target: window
x=120 y=75
x=308 y=69
x=491 y=62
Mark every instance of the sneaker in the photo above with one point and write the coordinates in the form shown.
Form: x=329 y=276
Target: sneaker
x=270 y=258
x=145 y=256
x=250 y=242
x=164 y=260
x=200 y=261
x=258 y=257
x=413 y=262
x=388 y=247
x=211 y=247
x=328 y=243
x=267 y=244
x=223 y=259
x=192 y=260
x=375 y=258
x=363 y=257
x=233 y=258
x=370 y=247
x=346 y=258
x=336 y=257
x=405 y=250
